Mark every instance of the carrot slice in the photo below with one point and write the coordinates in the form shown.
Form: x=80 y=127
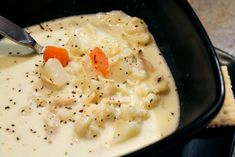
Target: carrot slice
x=56 y=52
x=100 y=61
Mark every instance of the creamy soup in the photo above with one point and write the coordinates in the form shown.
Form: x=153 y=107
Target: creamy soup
x=47 y=109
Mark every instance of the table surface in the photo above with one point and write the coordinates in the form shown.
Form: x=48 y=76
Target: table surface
x=218 y=18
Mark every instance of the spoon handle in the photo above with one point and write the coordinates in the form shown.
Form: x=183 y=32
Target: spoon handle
x=18 y=34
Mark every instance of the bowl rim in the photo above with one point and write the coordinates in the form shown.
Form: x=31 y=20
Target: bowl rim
x=201 y=122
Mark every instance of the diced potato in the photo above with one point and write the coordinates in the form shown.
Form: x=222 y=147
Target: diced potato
x=88 y=69
x=112 y=18
x=124 y=130
x=74 y=69
x=54 y=74
x=139 y=73
x=86 y=128
x=82 y=126
x=141 y=38
x=120 y=70
x=101 y=113
x=151 y=100
x=93 y=131
x=116 y=100
x=102 y=88
x=134 y=26
x=136 y=32
x=133 y=113
x=161 y=88
x=74 y=47
x=142 y=90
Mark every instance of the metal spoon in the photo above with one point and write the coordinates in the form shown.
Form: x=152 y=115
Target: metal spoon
x=18 y=35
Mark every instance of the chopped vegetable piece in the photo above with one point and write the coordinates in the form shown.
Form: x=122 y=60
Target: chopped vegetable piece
x=100 y=61
x=56 y=52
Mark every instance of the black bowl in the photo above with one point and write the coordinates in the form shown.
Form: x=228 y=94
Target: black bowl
x=181 y=39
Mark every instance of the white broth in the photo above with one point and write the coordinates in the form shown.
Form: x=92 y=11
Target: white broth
x=82 y=112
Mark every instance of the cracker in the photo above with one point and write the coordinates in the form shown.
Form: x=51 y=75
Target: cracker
x=226 y=116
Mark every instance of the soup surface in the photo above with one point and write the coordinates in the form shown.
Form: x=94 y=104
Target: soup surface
x=115 y=95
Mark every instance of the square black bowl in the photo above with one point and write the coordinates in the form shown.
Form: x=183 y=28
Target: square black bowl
x=181 y=39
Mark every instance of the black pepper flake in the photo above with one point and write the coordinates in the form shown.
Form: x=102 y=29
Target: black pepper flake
x=98 y=88
x=36 y=65
x=41 y=27
x=80 y=96
x=48 y=36
x=82 y=55
x=17 y=138
x=69 y=108
x=67 y=83
x=81 y=110
x=172 y=113
x=73 y=92
x=94 y=136
x=7 y=129
x=7 y=107
x=17 y=53
x=159 y=79
x=61 y=27
x=19 y=90
x=59 y=39
x=12 y=125
x=10 y=53
x=36 y=90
